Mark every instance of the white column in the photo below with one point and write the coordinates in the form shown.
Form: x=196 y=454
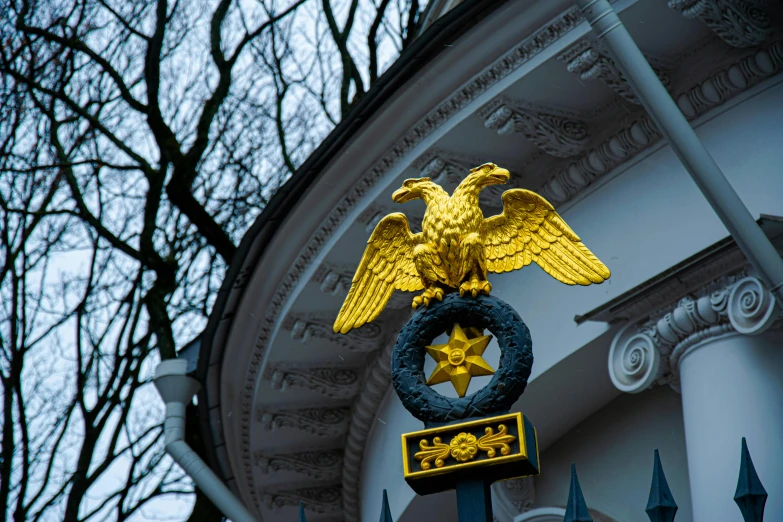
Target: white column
x=719 y=348
x=732 y=387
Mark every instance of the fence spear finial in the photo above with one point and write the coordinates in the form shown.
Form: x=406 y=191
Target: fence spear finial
x=385 y=511
x=576 y=508
x=750 y=495
x=301 y=512
x=661 y=506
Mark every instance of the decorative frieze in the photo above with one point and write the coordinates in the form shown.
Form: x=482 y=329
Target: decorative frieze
x=732 y=80
x=333 y=382
x=318 y=465
x=643 y=133
x=512 y=497
x=305 y=327
x=740 y=23
x=558 y=133
x=648 y=353
x=323 y=422
x=590 y=62
x=318 y=499
x=602 y=159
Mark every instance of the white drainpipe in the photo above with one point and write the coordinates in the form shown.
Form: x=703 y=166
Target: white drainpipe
x=177 y=390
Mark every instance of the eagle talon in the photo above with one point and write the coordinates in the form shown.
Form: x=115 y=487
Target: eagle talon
x=474 y=287
x=427 y=296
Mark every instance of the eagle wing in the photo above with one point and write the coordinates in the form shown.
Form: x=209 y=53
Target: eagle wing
x=387 y=265
x=528 y=230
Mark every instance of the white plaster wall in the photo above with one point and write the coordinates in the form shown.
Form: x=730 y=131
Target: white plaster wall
x=640 y=221
x=613 y=452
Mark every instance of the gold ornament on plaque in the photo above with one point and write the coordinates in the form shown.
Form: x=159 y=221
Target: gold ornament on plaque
x=457 y=246
x=464 y=447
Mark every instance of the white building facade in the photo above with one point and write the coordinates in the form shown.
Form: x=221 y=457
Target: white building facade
x=681 y=350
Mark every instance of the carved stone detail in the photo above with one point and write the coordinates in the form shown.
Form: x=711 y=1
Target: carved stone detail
x=589 y=62
x=363 y=418
x=643 y=133
x=601 y=160
x=739 y=23
x=323 y=422
x=319 y=465
x=304 y=327
x=318 y=499
x=512 y=497
x=558 y=133
x=732 y=80
x=648 y=353
x=333 y=382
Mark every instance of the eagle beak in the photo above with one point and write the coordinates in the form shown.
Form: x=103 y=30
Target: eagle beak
x=400 y=195
x=499 y=176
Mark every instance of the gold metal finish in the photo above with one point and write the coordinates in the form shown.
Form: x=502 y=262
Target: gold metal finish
x=459 y=360
x=437 y=452
x=458 y=247
x=465 y=446
x=492 y=441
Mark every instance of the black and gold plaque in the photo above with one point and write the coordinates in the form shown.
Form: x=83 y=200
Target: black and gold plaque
x=499 y=448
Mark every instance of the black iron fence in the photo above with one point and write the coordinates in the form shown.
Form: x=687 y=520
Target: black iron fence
x=750 y=496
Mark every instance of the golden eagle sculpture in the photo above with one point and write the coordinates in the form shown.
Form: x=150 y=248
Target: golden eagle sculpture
x=457 y=246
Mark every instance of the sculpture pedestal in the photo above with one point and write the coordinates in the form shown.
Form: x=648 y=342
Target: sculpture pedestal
x=732 y=387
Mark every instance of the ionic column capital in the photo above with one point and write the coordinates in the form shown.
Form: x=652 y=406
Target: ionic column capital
x=648 y=352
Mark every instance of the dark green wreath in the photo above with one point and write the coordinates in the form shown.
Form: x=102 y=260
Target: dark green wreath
x=482 y=312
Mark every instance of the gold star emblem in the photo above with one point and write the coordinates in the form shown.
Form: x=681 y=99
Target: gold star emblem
x=459 y=360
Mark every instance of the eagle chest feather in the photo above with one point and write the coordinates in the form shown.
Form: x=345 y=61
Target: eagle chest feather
x=446 y=224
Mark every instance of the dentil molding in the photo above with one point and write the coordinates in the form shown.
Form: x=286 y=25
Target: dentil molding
x=559 y=133
x=590 y=62
x=740 y=23
x=648 y=352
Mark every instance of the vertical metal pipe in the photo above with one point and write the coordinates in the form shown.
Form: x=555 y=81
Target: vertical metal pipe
x=686 y=145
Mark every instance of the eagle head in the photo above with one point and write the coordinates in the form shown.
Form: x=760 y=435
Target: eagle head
x=487 y=174
x=411 y=189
